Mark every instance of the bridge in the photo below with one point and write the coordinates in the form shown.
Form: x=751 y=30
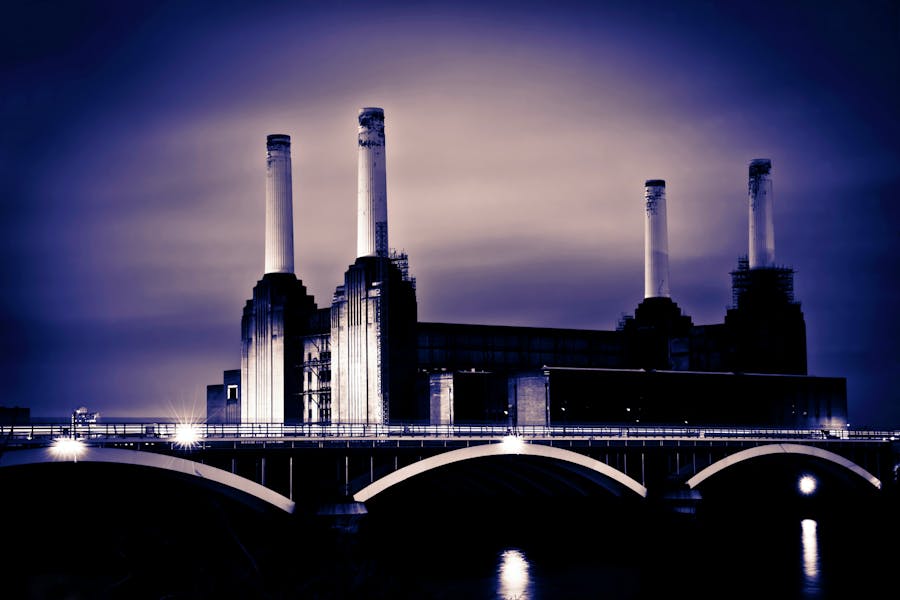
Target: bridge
x=344 y=468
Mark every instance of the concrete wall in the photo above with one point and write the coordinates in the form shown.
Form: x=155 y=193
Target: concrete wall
x=441 y=394
x=272 y=328
x=528 y=396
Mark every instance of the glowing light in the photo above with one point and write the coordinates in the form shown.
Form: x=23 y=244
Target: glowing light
x=514 y=579
x=67 y=448
x=187 y=435
x=807 y=485
x=809 y=541
x=512 y=444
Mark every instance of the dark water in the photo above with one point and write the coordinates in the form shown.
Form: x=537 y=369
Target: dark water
x=105 y=531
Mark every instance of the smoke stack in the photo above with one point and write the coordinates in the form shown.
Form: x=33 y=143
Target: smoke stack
x=279 y=210
x=656 y=241
x=372 y=231
x=762 y=228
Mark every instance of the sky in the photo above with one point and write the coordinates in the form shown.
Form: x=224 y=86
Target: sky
x=518 y=138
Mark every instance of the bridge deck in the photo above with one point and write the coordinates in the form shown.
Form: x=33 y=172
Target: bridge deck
x=120 y=432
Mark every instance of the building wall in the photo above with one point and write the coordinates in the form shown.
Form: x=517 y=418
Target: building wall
x=529 y=394
x=355 y=331
x=373 y=321
x=461 y=347
x=272 y=327
x=765 y=327
x=671 y=397
x=440 y=393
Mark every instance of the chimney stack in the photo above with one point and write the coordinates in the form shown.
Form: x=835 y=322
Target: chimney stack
x=372 y=230
x=656 y=241
x=279 y=210
x=762 y=228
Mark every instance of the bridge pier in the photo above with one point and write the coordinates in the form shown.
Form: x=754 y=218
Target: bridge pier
x=683 y=501
x=343 y=516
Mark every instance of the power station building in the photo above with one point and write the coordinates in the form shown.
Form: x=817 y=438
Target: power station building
x=367 y=359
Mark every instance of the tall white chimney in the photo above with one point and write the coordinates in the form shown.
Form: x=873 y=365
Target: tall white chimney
x=656 y=241
x=279 y=210
x=762 y=227
x=372 y=230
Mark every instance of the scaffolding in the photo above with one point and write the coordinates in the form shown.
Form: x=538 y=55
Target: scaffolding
x=751 y=285
x=401 y=260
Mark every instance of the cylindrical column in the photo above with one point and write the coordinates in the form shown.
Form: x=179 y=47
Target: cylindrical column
x=372 y=229
x=656 y=241
x=279 y=209
x=762 y=227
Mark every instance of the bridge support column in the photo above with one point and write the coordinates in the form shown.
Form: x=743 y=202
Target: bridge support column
x=346 y=475
x=682 y=501
x=643 y=474
x=344 y=516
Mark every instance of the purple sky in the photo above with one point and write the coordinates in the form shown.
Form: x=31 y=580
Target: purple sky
x=519 y=135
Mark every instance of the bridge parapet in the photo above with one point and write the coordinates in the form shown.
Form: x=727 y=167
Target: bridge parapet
x=41 y=432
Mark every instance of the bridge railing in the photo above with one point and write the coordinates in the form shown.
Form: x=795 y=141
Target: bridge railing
x=38 y=432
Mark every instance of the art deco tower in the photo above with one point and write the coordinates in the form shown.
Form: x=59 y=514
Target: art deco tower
x=766 y=328
x=658 y=337
x=373 y=314
x=277 y=316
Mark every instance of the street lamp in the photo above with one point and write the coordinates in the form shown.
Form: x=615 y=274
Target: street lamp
x=67 y=447
x=187 y=435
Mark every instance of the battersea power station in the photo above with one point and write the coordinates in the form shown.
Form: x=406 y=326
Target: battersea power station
x=367 y=359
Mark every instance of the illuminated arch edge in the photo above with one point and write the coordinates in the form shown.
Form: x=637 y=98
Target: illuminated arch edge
x=154 y=460
x=496 y=449
x=781 y=449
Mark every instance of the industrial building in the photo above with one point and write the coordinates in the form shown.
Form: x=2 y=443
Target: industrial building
x=367 y=359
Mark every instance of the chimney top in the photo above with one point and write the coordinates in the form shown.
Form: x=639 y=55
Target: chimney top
x=278 y=139
x=760 y=166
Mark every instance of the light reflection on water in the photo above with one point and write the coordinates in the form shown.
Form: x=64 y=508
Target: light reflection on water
x=809 y=541
x=513 y=579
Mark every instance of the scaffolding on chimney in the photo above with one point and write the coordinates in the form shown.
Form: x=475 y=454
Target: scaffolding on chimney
x=401 y=259
x=748 y=284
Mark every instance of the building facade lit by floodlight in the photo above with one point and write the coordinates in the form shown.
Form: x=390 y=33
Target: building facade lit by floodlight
x=367 y=359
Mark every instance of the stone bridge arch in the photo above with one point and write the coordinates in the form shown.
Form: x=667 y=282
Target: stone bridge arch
x=751 y=453
x=148 y=459
x=509 y=446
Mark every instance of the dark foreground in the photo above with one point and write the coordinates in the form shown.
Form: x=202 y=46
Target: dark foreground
x=80 y=531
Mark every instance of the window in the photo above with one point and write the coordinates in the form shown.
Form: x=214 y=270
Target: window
x=232 y=393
